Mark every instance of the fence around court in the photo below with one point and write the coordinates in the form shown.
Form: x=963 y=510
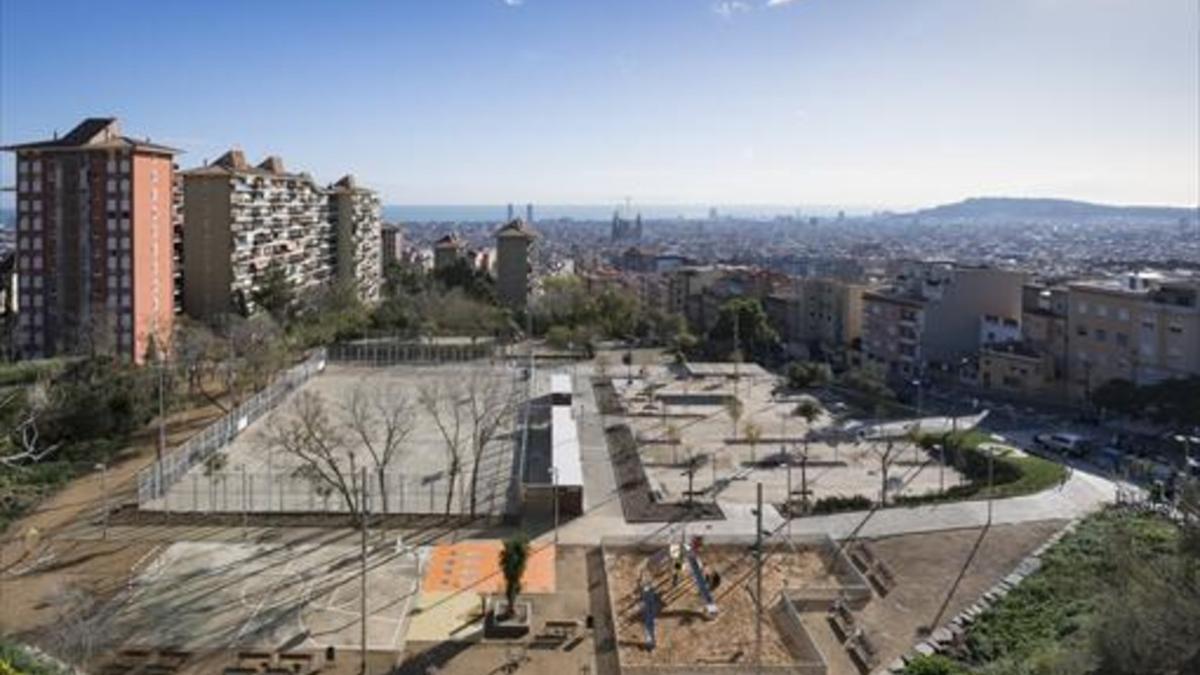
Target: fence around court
x=392 y=349
x=157 y=479
x=237 y=491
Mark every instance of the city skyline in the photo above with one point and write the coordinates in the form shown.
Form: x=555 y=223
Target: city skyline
x=806 y=102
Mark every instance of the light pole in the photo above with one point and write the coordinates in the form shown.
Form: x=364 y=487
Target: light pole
x=554 y=493
x=991 y=474
x=103 y=469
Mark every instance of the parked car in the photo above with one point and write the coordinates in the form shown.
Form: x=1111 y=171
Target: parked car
x=1069 y=444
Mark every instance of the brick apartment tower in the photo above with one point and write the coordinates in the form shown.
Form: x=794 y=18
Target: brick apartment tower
x=94 y=243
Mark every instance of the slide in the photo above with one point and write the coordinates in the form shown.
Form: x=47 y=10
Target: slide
x=710 y=607
x=650 y=607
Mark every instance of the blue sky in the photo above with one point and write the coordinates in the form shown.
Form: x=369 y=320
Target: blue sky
x=861 y=102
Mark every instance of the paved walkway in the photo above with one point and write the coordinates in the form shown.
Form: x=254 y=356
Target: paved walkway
x=1083 y=493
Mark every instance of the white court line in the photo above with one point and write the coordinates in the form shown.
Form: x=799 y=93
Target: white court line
x=254 y=614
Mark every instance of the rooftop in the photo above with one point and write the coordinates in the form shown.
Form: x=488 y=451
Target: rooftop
x=95 y=133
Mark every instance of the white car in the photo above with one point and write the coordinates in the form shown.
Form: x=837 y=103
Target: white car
x=1071 y=444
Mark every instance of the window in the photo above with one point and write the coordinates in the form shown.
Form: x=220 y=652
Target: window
x=1081 y=331
x=1100 y=334
x=1083 y=308
x=1122 y=339
x=1123 y=314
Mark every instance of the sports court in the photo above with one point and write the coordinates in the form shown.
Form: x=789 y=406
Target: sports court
x=206 y=596
x=254 y=474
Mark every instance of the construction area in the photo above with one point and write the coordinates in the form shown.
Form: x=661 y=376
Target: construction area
x=718 y=435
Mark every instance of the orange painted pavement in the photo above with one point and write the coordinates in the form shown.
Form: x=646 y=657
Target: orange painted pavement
x=475 y=566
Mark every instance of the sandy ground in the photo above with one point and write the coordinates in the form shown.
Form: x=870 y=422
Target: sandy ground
x=65 y=552
x=684 y=635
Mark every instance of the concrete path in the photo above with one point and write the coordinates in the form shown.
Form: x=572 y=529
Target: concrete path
x=1083 y=493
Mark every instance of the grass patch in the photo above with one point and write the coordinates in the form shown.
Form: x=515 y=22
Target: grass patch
x=1054 y=616
x=15 y=659
x=1012 y=475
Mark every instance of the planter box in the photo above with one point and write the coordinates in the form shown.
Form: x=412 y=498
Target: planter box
x=500 y=626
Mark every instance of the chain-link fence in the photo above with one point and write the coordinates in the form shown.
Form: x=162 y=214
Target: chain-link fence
x=156 y=480
x=256 y=492
x=380 y=350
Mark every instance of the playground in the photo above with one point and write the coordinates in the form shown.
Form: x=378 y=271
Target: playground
x=682 y=421
x=692 y=603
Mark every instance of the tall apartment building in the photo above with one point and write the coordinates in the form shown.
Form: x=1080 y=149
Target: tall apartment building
x=357 y=217
x=239 y=220
x=392 y=243
x=1143 y=328
x=512 y=263
x=94 y=242
x=934 y=315
x=818 y=317
x=447 y=251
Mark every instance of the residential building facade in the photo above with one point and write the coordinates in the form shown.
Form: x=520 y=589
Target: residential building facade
x=934 y=315
x=1143 y=328
x=356 y=214
x=239 y=220
x=94 y=243
x=512 y=263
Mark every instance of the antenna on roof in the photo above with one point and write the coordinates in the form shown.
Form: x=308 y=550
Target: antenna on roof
x=56 y=134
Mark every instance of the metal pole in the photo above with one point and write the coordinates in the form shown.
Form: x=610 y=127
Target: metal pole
x=363 y=575
x=244 y=516
x=758 y=556
x=104 y=496
x=554 y=475
x=162 y=428
x=991 y=464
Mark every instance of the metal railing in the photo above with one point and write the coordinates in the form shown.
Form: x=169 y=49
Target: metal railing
x=240 y=491
x=154 y=481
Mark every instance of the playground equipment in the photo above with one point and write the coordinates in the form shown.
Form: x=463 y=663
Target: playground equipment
x=651 y=605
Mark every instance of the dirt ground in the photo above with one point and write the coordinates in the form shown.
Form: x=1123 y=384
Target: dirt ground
x=683 y=633
x=66 y=550
x=941 y=573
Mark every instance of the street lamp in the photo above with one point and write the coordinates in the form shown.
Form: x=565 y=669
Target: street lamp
x=554 y=494
x=103 y=469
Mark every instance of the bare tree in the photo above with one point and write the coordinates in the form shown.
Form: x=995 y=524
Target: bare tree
x=753 y=435
x=734 y=407
x=382 y=420
x=889 y=454
x=443 y=402
x=491 y=401
x=307 y=432
x=25 y=442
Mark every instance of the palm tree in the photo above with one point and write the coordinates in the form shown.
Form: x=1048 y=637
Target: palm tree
x=513 y=558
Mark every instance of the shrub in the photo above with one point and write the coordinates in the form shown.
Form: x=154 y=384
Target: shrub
x=837 y=503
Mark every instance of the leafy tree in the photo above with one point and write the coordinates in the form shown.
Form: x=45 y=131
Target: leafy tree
x=804 y=374
x=472 y=281
x=274 y=292
x=513 y=558
x=755 y=336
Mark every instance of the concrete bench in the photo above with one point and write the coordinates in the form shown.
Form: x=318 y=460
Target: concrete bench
x=864 y=654
x=842 y=620
x=563 y=628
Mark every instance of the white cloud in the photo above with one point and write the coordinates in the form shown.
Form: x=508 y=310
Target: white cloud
x=513 y=3
x=779 y=3
x=728 y=8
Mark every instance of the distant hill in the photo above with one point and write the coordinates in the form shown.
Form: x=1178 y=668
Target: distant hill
x=1019 y=209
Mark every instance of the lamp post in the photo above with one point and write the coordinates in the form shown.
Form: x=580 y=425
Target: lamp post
x=103 y=469
x=554 y=494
